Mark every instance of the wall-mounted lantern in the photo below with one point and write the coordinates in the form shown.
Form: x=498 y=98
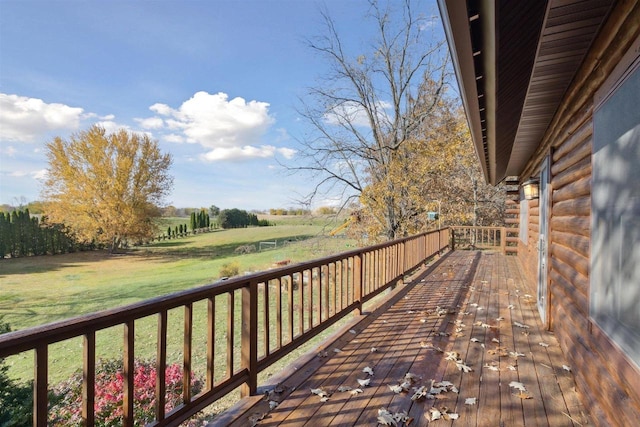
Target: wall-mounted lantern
x=530 y=189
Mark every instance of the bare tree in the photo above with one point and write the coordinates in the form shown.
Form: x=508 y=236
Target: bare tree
x=371 y=103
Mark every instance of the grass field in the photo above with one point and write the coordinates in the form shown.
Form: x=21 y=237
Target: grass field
x=39 y=290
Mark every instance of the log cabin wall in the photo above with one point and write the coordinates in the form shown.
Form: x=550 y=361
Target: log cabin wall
x=608 y=381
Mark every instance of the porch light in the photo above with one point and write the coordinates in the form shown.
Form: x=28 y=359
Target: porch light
x=530 y=189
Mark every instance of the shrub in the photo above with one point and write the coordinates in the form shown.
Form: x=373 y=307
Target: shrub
x=66 y=409
x=245 y=249
x=230 y=269
x=16 y=398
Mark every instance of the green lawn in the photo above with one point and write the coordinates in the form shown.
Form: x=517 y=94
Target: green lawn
x=38 y=290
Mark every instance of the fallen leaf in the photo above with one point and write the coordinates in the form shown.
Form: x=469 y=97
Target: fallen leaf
x=337 y=350
x=411 y=377
x=486 y=325
x=566 y=368
x=450 y=416
x=517 y=385
x=475 y=340
x=344 y=388
x=368 y=370
x=475 y=304
x=491 y=367
x=396 y=388
x=452 y=355
x=374 y=349
x=419 y=393
x=515 y=354
x=520 y=325
x=364 y=383
x=496 y=340
x=499 y=319
x=471 y=401
x=435 y=414
x=319 y=391
x=511 y=306
x=273 y=404
x=352 y=331
x=463 y=367
x=324 y=398
x=386 y=418
x=523 y=395
x=511 y=368
x=543 y=344
x=355 y=391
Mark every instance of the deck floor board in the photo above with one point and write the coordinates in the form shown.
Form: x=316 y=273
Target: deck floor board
x=481 y=295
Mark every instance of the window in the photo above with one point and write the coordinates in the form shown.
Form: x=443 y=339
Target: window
x=615 y=220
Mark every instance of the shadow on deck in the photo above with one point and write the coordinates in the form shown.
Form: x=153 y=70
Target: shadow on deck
x=462 y=340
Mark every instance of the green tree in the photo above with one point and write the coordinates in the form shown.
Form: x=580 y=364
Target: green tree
x=106 y=187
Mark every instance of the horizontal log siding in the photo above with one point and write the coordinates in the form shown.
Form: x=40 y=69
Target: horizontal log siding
x=609 y=383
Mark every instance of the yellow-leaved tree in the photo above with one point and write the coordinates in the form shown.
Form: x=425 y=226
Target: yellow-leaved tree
x=106 y=187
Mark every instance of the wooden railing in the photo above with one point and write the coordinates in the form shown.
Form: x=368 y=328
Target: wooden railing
x=251 y=322
x=468 y=237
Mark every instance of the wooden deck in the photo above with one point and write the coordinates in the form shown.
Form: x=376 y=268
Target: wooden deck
x=470 y=311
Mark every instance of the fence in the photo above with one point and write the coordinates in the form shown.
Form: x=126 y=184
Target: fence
x=263 y=316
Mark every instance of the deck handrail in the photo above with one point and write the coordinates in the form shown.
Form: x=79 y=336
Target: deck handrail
x=326 y=290
x=482 y=237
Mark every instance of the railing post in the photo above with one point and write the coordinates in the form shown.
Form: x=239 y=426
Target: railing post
x=358 y=282
x=453 y=239
x=249 y=342
x=503 y=240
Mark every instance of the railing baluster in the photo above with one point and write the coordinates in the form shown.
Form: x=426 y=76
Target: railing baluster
x=324 y=284
x=301 y=292
x=231 y=331
x=187 y=350
x=290 y=296
x=266 y=318
x=211 y=341
x=41 y=385
x=161 y=365
x=278 y=312
x=128 y=368
x=89 y=378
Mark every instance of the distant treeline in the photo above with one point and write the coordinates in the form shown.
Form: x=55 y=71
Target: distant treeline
x=23 y=235
x=237 y=218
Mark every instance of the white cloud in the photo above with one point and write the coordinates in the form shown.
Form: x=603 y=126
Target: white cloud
x=151 y=123
x=8 y=151
x=228 y=129
x=110 y=126
x=246 y=152
x=26 y=119
x=40 y=175
x=18 y=173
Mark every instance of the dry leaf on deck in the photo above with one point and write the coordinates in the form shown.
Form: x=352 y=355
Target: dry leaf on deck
x=520 y=325
x=320 y=392
x=463 y=367
x=368 y=370
x=355 y=391
x=343 y=388
x=471 y=401
x=517 y=385
x=543 y=344
x=386 y=418
x=523 y=395
x=364 y=383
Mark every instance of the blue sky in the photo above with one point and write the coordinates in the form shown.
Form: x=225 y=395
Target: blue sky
x=216 y=83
